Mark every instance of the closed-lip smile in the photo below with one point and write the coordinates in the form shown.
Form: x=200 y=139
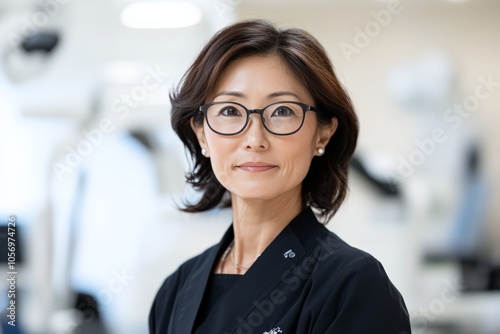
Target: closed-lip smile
x=256 y=166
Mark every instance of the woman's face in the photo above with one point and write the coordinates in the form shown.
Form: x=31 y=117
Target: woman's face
x=255 y=164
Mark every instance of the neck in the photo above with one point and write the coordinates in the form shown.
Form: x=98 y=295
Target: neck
x=257 y=222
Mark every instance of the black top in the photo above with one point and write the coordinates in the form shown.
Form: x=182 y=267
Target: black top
x=307 y=280
x=218 y=284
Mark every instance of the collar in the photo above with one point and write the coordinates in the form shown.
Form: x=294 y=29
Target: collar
x=280 y=257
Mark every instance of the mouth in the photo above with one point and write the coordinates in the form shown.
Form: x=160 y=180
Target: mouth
x=256 y=166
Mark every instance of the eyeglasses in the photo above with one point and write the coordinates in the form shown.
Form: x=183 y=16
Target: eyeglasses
x=279 y=118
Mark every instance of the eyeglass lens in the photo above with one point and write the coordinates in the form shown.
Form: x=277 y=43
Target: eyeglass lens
x=279 y=118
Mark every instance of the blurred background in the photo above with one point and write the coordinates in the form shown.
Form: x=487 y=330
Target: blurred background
x=91 y=172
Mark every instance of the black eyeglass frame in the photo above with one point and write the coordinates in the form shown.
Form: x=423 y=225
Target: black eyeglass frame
x=305 y=108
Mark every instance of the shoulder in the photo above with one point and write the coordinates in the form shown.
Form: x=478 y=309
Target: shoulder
x=175 y=282
x=162 y=308
x=319 y=241
x=333 y=250
x=353 y=276
x=327 y=255
x=350 y=283
x=340 y=261
x=179 y=276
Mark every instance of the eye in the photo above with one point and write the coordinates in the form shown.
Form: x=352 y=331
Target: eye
x=283 y=111
x=229 y=111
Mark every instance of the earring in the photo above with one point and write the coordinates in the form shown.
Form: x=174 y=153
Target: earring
x=203 y=152
x=321 y=150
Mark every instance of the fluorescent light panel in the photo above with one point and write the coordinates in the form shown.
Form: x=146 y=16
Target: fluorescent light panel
x=160 y=15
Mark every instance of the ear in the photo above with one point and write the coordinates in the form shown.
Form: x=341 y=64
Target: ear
x=199 y=131
x=325 y=132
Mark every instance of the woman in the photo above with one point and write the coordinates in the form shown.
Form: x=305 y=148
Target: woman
x=271 y=132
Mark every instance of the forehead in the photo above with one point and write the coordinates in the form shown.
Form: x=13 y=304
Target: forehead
x=259 y=75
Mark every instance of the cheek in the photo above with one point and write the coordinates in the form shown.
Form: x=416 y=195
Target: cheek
x=221 y=150
x=303 y=143
x=297 y=156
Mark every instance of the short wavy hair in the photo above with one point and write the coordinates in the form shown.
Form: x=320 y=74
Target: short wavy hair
x=325 y=186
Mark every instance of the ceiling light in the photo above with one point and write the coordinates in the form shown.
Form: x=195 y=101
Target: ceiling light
x=160 y=15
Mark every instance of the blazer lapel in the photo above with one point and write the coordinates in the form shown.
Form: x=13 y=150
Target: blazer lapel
x=196 y=283
x=261 y=278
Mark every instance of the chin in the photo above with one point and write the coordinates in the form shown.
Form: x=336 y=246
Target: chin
x=258 y=193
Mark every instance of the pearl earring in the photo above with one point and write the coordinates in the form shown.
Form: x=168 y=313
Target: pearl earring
x=203 y=152
x=321 y=150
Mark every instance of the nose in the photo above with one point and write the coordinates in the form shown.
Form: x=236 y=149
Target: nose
x=255 y=135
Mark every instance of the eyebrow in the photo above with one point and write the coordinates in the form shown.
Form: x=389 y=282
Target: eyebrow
x=272 y=95
x=283 y=93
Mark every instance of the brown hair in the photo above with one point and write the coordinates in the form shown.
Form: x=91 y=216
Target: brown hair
x=325 y=185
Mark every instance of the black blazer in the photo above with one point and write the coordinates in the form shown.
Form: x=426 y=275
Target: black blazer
x=307 y=280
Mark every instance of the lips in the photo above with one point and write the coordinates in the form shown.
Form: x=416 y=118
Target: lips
x=256 y=166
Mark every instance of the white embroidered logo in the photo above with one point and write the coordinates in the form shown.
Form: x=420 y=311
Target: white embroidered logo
x=274 y=331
